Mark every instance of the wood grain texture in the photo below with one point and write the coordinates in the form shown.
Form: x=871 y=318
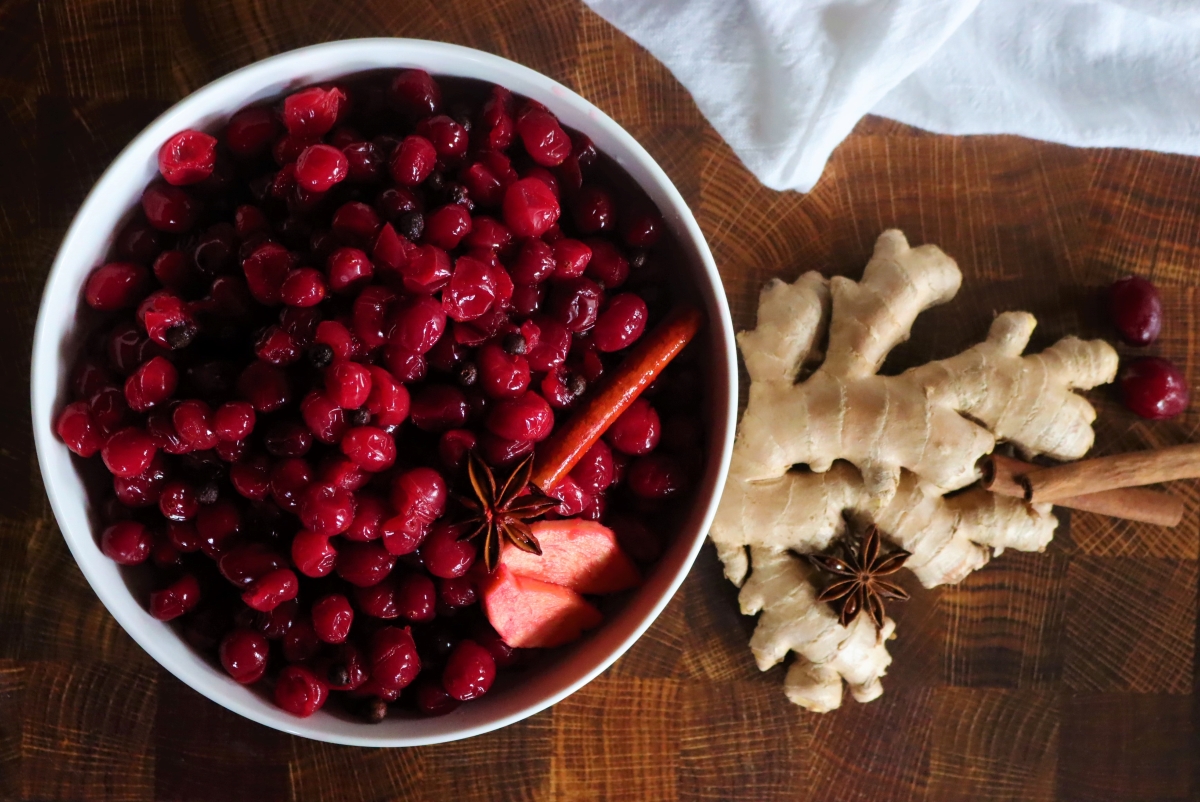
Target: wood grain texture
x=1069 y=675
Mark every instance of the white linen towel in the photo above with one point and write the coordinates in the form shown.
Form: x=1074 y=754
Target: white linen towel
x=784 y=81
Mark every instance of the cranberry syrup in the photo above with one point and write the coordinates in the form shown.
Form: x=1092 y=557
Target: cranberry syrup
x=312 y=316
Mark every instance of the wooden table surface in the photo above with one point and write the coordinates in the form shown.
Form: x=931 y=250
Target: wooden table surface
x=1066 y=675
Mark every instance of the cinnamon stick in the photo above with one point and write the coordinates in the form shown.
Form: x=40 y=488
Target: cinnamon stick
x=1003 y=475
x=581 y=431
x=1108 y=473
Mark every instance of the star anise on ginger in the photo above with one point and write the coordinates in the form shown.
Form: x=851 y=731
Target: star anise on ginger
x=501 y=512
x=858 y=582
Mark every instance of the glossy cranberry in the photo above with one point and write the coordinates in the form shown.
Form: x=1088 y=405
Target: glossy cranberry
x=217 y=524
x=453 y=446
x=486 y=180
x=187 y=158
x=251 y=131
x=393 y=658
x=641 y=228
x=608 y=265
x=304 y=287
x=447 y=225
x=193 y=423
x=271 y=590
x=76 y=428
x=547 y=178
x=371 y=448
x=341 y=341
x=404 y=365
x=438 y=407
x=419 y=493
x=178 y=501
x=338 y=471
x=332 y=617
x=276 y=346
x=176 y=271
x=251 y=478
x=496 y=119
x=364 y=564
x=1136 y=310
x=126 y=543
x=403 y=534
x=301 y=642
x=432 y=699
x=313 y=554
x=108 y=410
x=128 y=452
x=544 y=139
x=472 y=290
x=169 y=208
x=413 y=161
x=266 y=269
x=571 y=258
x=388 y=402
x=416 y=93
x=449 y=138
x=265 y=386
x=356 y=224
x=289 y=478
x=416 y=597
x=313 y=111
x=526 y=418
x=320 y=167
x=371 y=315
x=162 y=430
x=418 y=324
x=636 y=430
x=502 y=375
x=457 y=591
x=504 y=655
x=324 y=417
x=445 y=555
x=657 y=476
x=365 y=162
x=469 y=672
x=594 y=209
x=500 y=452
x=1154 y=388
x=594 y=471
x=244 y=655
x=575 y=303
x=299 y=691
x=530 y=208
x=245 y=564
x=368 y=519
x=621 y=322
x=160 y=313
x=349 y=269
x=145 y=489
x=116 y=285
x=176 y=599
x=233 y=421
x=327 y=509
x=427 y=270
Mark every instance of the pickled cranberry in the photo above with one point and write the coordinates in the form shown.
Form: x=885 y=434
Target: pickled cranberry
x=574 y=499
x=457 y=591
x=349 y=269
x=427 y=270
x=1136 y=310
x=393 y=658
x=160 y=313
x=145 y=489
x=187 y=158
x=500 y=452
x=178 y=501
x=324 y=417
x=327 y=509
x=432 y=699
x=356 y=224
x=641 y=228
x=78 y=430
x=657 y=476
x=621 y=322
x=575 y=303
x=416 y=93
x=233 y=421
x=250 y=131
x=416 y=597
x=594 y=471
x=368 y=519
x=502 y=375
x=449 y=138
x=453 y=446
x=504 y=655
x=413 y=161
x=403 y=534
x=304 y=287
x=571 y=258
x=525 y=418
x=116 y=285
x=266 y=268
x=496 y=119
x=447 y=225
x=301 y=642
x=365 y=162
x=471 y=291
x=299 y=691
x=469 y=672
x=128 y=452
x=169 y=208
x=313 y=554
x=438 y=407
x=1154 y=388
x=388 y=402
x=320 y=167
x=193 y=423
x=289 y=478
x=530 y=208
x=216 y=524
x=636 y=430
x=404 y=365
x=126 y=543
x=445 y=555
x=332 y=617
x=607 y=265
x=371 y=448
x=178 y=598
x=271 y=590
x=364 y=564
x=244 y=655
x=347 y=384
x=313 y=111
x=265 y=386
x=594 y=210
x=418 y=324
x=544 y=139
x=243 y=565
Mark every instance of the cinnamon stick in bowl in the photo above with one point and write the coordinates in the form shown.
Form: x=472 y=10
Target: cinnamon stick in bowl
x=1005 y=475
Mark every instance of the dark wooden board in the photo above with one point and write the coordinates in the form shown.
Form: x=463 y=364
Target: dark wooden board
x=1068 y=675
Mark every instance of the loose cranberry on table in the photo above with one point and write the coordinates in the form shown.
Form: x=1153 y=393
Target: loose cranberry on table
x=1136 y=310
x=1154 y=388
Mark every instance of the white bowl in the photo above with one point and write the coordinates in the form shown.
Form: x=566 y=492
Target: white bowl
x=86 y=244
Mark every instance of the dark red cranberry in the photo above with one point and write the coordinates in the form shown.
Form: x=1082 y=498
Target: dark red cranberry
x=594 y=210
x=301 y=642
x=116 y=285
x=418 y=324
x=176 y=599
x=438 y=407
x=388 y=402
x=251 y=131
x=594 y=471
x=404 y=365
x=128 y=452
x=77 y=429
x=657 y=476
x=169 y=208
x=332 y=617
x=496 y=120
x=621 y=322
x=469 y=672
x=642 y=228
x=416 y=93
x=416 y=597
x=368 y=519
x=178 y=501
x=187 y=158
x=217 y=524
x=289 y=478
x=145 y=489
x=447 y=225
x=403 y=534
x=371 y=448
x=530 y=208
x=337 y=337
x=457 y=591
x=525 y=418
x=243 y=565
x=364 y=564
x=503 y=375
x=607 y=265
x=501 y=452
x=1154 y=388
x=347 y=384
x=270 y=590
x=378 y=601
x=472 y=290
x=320 y=167
x=413 y=161
x=349 y=269
x=1136 y=310
x=575 y=303
x=453 y=446
x=126 y=543
x=449 y=138
x=266 y=269
x=544 y=139
x=303 y=287
x=138 y=242
x=393 y=658
x=244 y=655
x=365 y=162
x=432 y=699
x=445 y=555
x=637 y=430
x=265 y=386
x=312 y=112
x=324 y=418
x=326 y=509
x=420 y=493
x=299 y=691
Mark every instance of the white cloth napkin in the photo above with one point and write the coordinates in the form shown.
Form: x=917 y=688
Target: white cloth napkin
x=784 y=81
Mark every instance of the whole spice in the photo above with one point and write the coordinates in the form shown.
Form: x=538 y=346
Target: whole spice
x=504 y=512
x=861 y=584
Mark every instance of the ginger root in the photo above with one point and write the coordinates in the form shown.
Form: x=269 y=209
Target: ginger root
x=882 y=449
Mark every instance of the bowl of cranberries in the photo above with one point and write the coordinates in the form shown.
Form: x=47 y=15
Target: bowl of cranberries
x=383 y=391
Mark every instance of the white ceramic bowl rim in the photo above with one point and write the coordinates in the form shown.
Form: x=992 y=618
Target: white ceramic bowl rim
x=89 y=237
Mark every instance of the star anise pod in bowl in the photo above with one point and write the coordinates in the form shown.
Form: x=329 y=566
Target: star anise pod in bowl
x=501 y=512
x=858 y=578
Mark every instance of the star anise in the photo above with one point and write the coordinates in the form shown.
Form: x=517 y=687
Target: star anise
x=503 y=512
x=861 y=585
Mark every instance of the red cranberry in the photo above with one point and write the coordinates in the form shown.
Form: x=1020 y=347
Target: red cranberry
x=621 y=323
x=594 y=471
x=347 y=384
x=251 y=131
x=608 y=265
x=445 y=555
x=332 y=617
x=457 y=591
x=77 y=429
x=169 y=208
x=244 y=655
x=145 y=489
x=368 y=519
x=187 y=158
x=446 y=226
x=527 y=418
x=496 y=119
x=180 y=597
x=178 y=501
x=160 y=313
x=326 y=509
x=116 y=285
x=1136 y=310
x=303 y=287
x=233 y=421
x=420 y=493
x=416 y=93
x=312 y=112
x=413 y=161
x=432 y=699
x=319 y=167
x=378 y=601
x=573 y=497
x=418 y=324
x=365 y=162
x=128 y=452
x=530 y=208
x=469 y=671
x=502 y=375
x=324 y=417
x=301 y=642
x=266 y=268
x=501 y=652
x=109 y=410
x=349 y=269
x=371 y=448
x=289 y=478
x=571 y=258
x=388 y=402
x=453 y=446
x=471 y=291
x=216 y=524
x=544 y=139
x=575 y=303
x=371 y=315
x=393 y=658
x=500 y=452
x=265 y=386
x=340 y=340
x=193 y=422
x=594 y=210
x=338 y=471
x=1154 y=388
x=403 y=364
x=299 y=691
x=126 y=543
x=427 y=270
x=657 y=476
x=438 y=407
x=243 y=565
x=271 y=590
x=642 y=228
x=637 y=430
x=364 y=564
x=416 y=597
